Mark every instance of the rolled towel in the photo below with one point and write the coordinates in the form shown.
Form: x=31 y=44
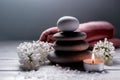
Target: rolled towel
x=47 y=35
x=115 y=41
x=95 y=30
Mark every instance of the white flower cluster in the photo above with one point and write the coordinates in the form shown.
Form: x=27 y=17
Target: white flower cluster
x=104 y=49
x=33 y=54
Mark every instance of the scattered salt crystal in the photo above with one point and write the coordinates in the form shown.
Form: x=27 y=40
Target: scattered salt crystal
x=56 y=73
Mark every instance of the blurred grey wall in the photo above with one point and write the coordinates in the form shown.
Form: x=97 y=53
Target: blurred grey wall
x=26 y=19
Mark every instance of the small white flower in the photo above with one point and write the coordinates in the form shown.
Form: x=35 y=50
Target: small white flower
x=33 y=54
x=104 y=49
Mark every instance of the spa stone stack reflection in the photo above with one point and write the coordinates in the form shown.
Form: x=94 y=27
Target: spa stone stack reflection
x=70 y=46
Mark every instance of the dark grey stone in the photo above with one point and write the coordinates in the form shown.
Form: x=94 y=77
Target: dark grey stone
x=68 y=53
x=71 y=46
x=62 y=36
x=70 y=43
x=69 y=59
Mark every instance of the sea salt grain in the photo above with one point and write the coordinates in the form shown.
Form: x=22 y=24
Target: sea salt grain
x=58 y=73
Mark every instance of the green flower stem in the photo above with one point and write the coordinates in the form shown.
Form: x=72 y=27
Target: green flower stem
x=30 y=58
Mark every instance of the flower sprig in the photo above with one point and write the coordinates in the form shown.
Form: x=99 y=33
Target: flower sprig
x=104 y=49
x=33 y=54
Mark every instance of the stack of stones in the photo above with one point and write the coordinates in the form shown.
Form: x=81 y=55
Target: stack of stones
x=70 y=46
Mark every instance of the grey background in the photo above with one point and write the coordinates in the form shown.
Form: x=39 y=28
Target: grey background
x=26 y=19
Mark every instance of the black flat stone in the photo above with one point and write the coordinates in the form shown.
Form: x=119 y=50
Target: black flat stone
x=69 y=59
x=71 y=47
x=68 y=53
x=72 y=66
x=70 y=43
x=70 y=36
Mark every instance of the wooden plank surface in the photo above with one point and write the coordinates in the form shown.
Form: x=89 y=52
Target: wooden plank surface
x=9 y=64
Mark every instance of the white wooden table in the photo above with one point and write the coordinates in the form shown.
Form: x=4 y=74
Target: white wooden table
x=9 y=68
